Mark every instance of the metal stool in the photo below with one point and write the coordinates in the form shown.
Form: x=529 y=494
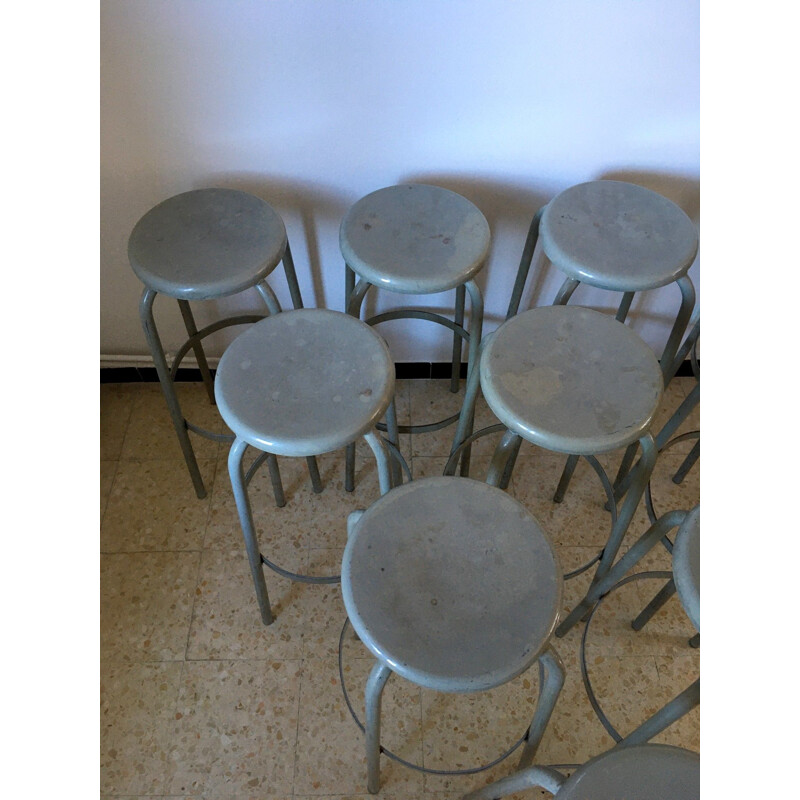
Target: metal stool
x=644 y=772
x=570 y=380
x=301 y=383
x=620 y=237
x=684 y=578
x=416 y=239
x=204 y=245
x=452 y=585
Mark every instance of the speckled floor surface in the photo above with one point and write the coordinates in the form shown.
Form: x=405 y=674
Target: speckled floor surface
x=200 y=700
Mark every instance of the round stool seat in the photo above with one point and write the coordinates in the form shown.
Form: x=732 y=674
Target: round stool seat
x=414 y=239
x=571 y=379
x=207 y=243
x=304 y=382
x=618 y=236
x=686 y=565
x=452 y=584
x=644 y=772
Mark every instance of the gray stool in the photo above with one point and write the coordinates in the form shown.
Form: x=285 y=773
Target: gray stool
x=416 y=239
x=620 y=237
x=301 y=383
x=452 y=585
x=204 y=245
x=570 y=380
x=685 y=579
x=642 y=772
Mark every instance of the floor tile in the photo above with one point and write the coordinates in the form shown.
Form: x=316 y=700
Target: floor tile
x=151 y=508
x=150 y=433
x=116 y=403
x=330 y=747
x=226 y=621
x=235 y=728
x=108 y=470
x=137 y=705
x=146 y=605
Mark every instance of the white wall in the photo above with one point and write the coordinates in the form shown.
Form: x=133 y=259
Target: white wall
x=313 y=103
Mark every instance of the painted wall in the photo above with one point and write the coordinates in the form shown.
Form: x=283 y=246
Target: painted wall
x=311 y=104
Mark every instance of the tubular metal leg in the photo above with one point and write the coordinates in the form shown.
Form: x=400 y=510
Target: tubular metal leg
x=624 y=306
x=372 y=724
x=455 y=375
x=530 y=778
x=394 y=437
x=525 y=264
x=640 y=476
x=662 y=719
x=505 y=449
x=269 y=297
x=566 y=477
x=473 y=360
x=511 y=462
x=649 y=539
x=191 y=329
x=654 y=605
x=687 y=464
x=353 y=298
x=566 y=291
x=382 y=459
x=313 y=471
x=695 y=641
x=678 y=328
x=236 y=472
x=465 y=419
x=291 y=277
x=168 y=388
x=551 y=681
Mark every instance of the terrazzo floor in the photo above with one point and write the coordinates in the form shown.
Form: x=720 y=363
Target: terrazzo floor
x=200 y=700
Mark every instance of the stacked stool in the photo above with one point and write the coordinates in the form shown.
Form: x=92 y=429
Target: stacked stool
x=416 y=239
x=452 y=585
x=569 y=380
x=301 y=383
x=643 y=772
x=204 y=245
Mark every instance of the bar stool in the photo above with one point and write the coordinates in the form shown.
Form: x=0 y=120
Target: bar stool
x=452 y=585
x=416 y=239
x=620 y=237
x=570 y=380
x=204 y=245
x=301 y=383
x=643 y=772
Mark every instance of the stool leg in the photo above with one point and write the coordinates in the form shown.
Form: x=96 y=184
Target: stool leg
x=654 y=605
x=269 y=297
x=168 y=388
x=372 y=724
x=678 y=328
x=695 y=641
x=354 y=297
x=382 y=459
x=455 y=374
x=236 y=472
x=640 y=475
x=502 y=454
x=511 y=462
x=465 y=419
x=473 y=359
x=313 y=471
x=393 y=436
x=565 y=292
x=624 y=306
x=531 y=778
x=524 y=264
x=648 y=540
x=191 y=329
x=663 y=718
x=687 y=464
x=275 y=478
x=566 y=477
x=551 y=681
x=291 y=277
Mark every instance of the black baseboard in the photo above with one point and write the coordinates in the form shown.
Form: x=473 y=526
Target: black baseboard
x=412 y=370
